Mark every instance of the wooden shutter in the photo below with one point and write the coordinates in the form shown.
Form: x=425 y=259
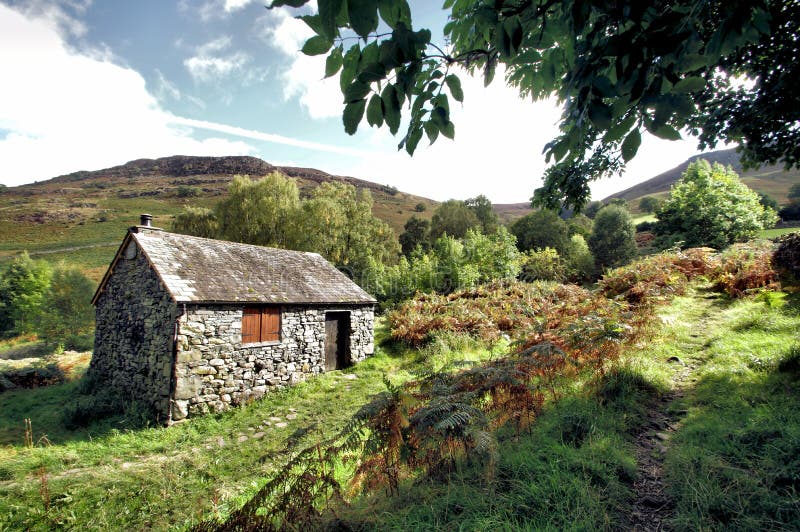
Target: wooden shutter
x=251 y=325
x=270 y=324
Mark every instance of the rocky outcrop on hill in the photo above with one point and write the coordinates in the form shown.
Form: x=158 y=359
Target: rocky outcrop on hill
x=182 y=165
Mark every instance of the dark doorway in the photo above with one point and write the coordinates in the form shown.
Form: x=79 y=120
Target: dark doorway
x=337 y=340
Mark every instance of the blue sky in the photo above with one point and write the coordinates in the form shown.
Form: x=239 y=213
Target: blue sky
x=88 y=85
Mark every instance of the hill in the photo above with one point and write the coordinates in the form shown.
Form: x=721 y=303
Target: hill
x=81 y=217
x=770 y=179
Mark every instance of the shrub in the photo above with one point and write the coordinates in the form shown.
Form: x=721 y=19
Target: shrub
x=23 y=283
x=543 y=265
x=187 y=191
x=656 y=278
x=541 y=229
x=579 y=260
x=645 y=226
x=67 y=315
x=649 y=204
x=745 y=268
x=420 y=207
x=787 y=256
x=710 y=206
x=612 y=240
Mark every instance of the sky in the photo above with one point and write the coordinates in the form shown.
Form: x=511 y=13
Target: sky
x=93 y=84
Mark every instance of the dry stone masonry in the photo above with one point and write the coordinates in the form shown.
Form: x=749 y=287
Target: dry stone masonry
x=214 y=370
x=169 y=317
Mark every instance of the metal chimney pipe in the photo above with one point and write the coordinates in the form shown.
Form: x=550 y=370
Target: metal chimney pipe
x=145 y=220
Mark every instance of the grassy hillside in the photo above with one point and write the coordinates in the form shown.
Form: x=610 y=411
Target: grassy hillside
x=82 y=217
x=770 y=179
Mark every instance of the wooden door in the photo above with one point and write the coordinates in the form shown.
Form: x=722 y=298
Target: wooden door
x=337 y=340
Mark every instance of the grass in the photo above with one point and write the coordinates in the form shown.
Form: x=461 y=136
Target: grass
x=112 y=475
x=776 y=232
x=732 y=462
x=647 y=217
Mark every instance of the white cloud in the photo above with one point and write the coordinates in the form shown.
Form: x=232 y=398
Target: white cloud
x=236 y=5
x=165 y=88
x=67 y=112
x=267 y=137
x=303 y=77
x=213 y=62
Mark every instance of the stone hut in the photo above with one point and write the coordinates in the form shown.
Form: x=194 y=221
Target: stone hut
x=191 y=325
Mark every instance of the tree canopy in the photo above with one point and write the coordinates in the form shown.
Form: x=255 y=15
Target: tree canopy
x=721 y=70
x=336 y=221
x=613 y=241
x=454 y=218
x=710 y=206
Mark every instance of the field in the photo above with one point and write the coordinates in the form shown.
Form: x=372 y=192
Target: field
x=712 y=394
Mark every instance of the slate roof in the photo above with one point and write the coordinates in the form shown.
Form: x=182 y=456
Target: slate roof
x=201 y=270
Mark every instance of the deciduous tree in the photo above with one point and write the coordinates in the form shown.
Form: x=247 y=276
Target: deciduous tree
x=23 y=283
x=67 y=315
x=541 y=229
x=612 y=241
x=710 y=206
x=417 y=234
x=454 y=218
x=618 y=68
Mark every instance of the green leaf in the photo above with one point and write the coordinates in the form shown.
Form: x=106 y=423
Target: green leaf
x=488 y=72
x=334 y=62
x=616 y=132
x=313 y=22
x=454 y=85
x=349 y=67
x=375 y=111
x=631 y=145
x=353 y=112
x=666 y=132
x=691 y=62
x=513 y=29
x=432 y=130
x=356 y=91
x=288 y=3
x=391 y=108
x=317 y=45
x=328 y=9
x=690 y=84
x=604 y=87
x=372 y=72
x=414 y=136
x=394 y=11
x=363 y=16
x=600 y=115
x=502 y=41
x=449 y=130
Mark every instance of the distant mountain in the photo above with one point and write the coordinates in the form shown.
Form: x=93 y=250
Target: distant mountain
x=184 y=166
x=81 y=217
x=769 y=179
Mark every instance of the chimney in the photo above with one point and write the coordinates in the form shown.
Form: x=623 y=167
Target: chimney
x=145 y=223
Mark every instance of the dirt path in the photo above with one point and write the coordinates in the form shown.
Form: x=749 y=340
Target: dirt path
x=652 y=507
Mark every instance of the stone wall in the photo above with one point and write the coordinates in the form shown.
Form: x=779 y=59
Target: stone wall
x=135 y=319
x=215 y=371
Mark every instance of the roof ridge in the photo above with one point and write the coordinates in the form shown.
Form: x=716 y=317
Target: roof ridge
x=162 y=232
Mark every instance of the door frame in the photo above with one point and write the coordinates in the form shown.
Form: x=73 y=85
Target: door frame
x=344 y=357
